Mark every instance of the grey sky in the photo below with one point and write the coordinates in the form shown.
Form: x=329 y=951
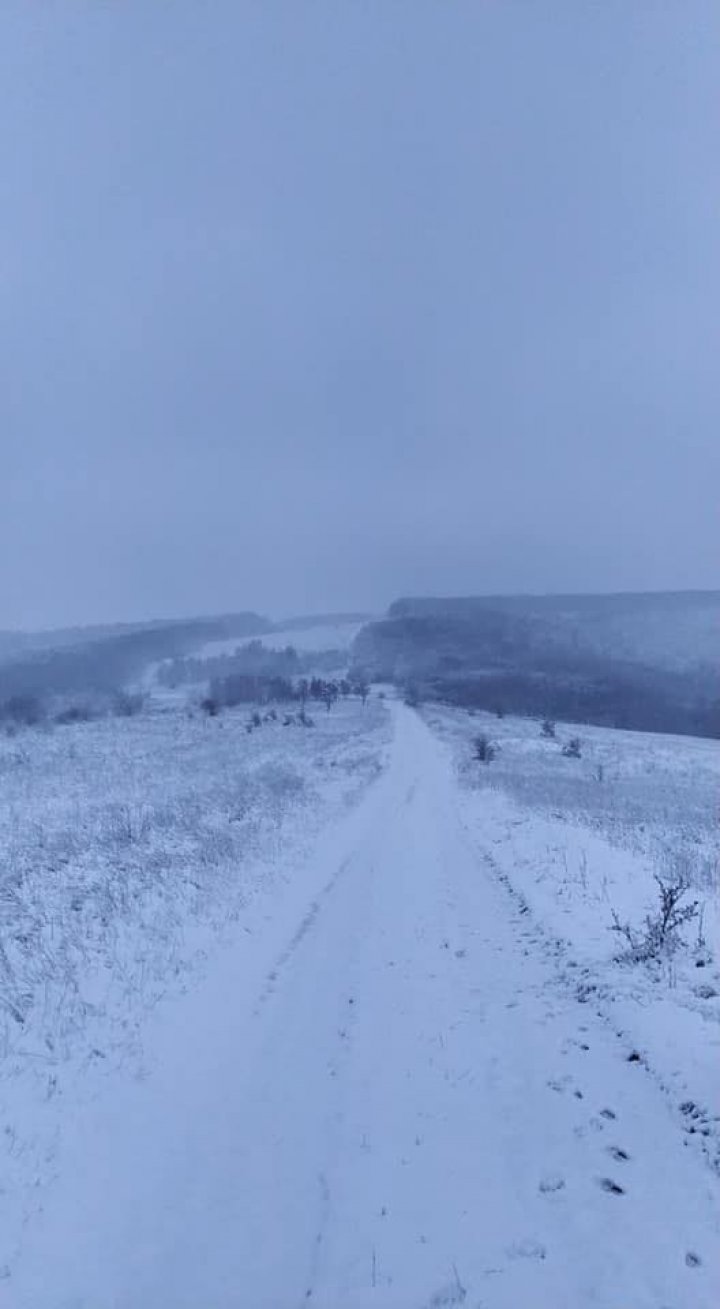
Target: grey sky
x=308 y=304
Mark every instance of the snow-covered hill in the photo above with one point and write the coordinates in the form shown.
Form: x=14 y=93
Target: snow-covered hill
x=674 y=630
x=315 y=638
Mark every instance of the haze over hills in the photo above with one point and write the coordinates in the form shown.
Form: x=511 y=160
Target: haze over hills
x=665 y=629
x=635 y=660
x=647 y=661
x=104 y=660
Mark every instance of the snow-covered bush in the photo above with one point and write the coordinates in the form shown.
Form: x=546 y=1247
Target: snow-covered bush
x=661 y=933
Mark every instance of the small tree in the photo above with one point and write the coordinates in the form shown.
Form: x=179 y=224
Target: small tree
x=548 y=729
x=573 y=748
x=485 y=751
x=329 y=695
x=362 y=688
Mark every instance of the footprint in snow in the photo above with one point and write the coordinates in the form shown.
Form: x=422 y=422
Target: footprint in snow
x=612 y=1188
x=572 y=1044
x=595 y=1125
x=622 y=1156
x=454 y=1293
x=551 y=1184
x=526 y=1250
x=560 y=1084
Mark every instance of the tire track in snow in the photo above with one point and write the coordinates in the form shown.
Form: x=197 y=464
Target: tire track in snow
x=416 y=1099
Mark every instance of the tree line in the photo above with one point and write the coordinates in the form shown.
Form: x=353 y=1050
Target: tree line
x=249 y=688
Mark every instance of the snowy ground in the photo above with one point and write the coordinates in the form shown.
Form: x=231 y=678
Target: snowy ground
x=579 y=839
x=129 y=847
x=382 y=1092
x=314 y=639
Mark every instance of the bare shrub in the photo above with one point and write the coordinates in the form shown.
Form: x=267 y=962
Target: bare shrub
x=661 y=933
x=548 y=729
x=75 y=713
x=573 y=748
x=22 y=711
x=485 y=751
x=127 y=704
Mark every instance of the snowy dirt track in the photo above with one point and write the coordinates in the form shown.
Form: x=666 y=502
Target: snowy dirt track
x=384 y=1097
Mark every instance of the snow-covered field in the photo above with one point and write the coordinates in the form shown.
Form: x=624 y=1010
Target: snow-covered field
x=128 y=847
x=580 y=840
x=370 y=1050
x=314 y=639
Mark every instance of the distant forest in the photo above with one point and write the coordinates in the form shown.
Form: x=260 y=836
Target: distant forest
x=253 y=659
x=558 y=657
x=105 y=667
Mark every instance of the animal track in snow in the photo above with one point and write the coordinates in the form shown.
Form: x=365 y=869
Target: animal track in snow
x=612 y=1188
x=527 y=1250
x=550 y=1185
x=622 y=1156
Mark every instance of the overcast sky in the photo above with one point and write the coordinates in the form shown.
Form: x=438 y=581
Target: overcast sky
x=308 y=304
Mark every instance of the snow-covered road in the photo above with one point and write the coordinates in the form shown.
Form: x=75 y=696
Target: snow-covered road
x=381 y=1097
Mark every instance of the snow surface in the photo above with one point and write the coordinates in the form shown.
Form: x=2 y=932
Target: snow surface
x=574 y=849
x=314 y=639
x=128 y=847
x=382 y=1092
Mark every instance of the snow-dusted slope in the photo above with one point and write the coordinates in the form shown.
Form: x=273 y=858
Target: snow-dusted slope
x=382 y=1095
x=313 y=639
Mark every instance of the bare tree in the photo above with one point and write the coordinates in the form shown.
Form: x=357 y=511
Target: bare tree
x=362 y=688
x=329 y=695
